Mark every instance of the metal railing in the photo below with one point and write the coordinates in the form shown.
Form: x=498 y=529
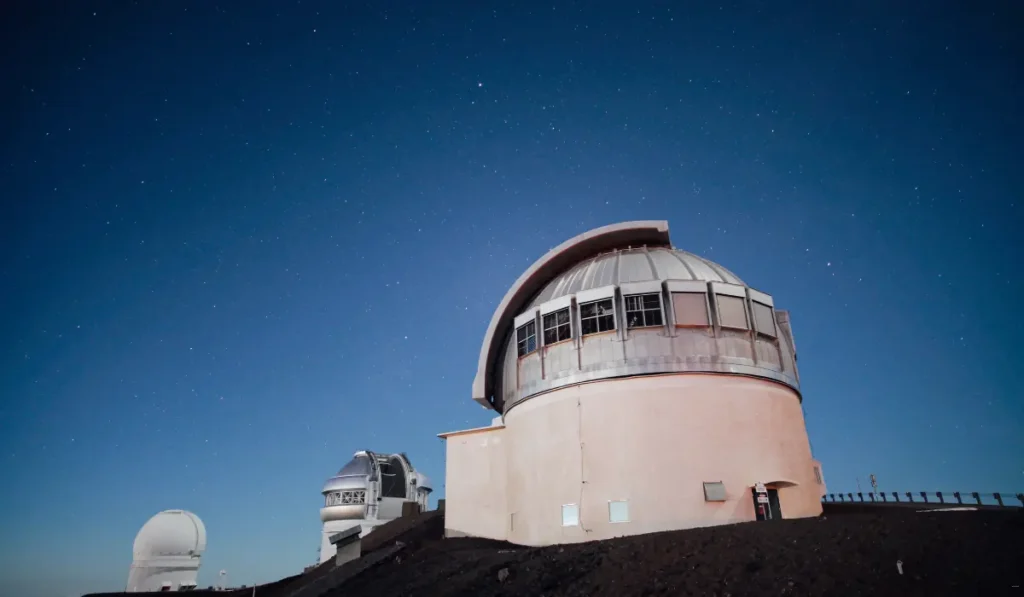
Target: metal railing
x=882 y=497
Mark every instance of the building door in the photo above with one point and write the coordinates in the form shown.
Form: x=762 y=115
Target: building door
x=769 y=510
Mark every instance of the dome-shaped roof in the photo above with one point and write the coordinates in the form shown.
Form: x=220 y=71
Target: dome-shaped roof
x=170 y=533
x=641 y=264
x=351 y=476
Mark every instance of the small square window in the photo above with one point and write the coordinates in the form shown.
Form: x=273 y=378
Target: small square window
x=618 y=511
x=732 y=312
x=763 y=319
x=691 y=309
x=570 y=515
x=557 y=326
x=643 y=310
x=596 y=317
x=526 y=338
x=714 y=491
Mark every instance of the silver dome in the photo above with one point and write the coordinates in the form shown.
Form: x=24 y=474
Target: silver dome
x=696 y=317
x=642 y=264
x=351 y=476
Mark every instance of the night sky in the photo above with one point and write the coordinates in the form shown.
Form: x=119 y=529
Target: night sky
x=243 y=240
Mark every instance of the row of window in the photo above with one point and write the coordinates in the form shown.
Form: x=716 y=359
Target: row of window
x=345 y=498
x=618 y=511
x=643 y=311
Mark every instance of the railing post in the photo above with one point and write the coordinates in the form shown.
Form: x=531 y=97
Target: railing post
x=872 y=496
x=860 y=495
x=956 y=494
x=896 y=495
x=1020 y=498
x=924 y=496
x=832 y=496
x=999 y=498
x=841 y=499
x=882 y=493
x=976 y=496
x=939 y=495
x=851 y=496
x=910 y=497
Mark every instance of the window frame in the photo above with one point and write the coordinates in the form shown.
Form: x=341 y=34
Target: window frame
x=575 y=507
x=643 y=310
x=597 y=318
x=536 y=344
x=625 y=503
x=544 y=328
x=707 y=310
x=754 y=303
x=718 y=312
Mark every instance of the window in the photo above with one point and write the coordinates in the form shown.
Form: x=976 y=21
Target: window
x=526 y=338
x=346 y=497
x=570 y=515
x=714 y=492
x=643 y=310
x=557 y=326
x=597 y=316
x=691 y=309
x=732 y=312
x=817 y=476
x=763 y=320
x=618 y=511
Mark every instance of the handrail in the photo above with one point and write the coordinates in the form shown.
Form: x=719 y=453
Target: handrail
x=978 y=497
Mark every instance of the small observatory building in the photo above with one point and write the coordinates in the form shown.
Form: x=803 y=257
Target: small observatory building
x=167 y=552
x=640 y=388
x=367 y=492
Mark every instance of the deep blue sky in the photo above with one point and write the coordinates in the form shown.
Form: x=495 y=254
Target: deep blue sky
x=242 y=242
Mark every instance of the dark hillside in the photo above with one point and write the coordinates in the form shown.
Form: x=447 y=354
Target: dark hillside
x=942 y=553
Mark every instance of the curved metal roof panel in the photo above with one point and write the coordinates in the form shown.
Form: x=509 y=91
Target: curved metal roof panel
x=642 y=264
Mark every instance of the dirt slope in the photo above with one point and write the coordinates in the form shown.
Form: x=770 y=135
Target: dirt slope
x=942 y=553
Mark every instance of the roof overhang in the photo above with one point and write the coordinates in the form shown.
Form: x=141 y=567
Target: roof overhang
x=448 y=434
x=553 y=263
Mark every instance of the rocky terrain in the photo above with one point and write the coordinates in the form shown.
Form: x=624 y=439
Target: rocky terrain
x=893 y=551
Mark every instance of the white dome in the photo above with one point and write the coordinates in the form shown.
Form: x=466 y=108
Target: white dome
x=170 y=533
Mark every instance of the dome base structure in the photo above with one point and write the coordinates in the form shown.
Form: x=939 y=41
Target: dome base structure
x=631 y=456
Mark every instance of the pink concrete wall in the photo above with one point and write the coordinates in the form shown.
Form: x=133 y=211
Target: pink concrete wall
x=650 y=440
x=475 y=484
x=653 y=441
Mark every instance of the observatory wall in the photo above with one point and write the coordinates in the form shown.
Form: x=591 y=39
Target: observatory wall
x=642 y=388
x=475 y=483
x=652 y=442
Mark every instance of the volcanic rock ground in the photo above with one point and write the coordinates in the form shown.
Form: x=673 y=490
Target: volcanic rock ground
x=942 y=553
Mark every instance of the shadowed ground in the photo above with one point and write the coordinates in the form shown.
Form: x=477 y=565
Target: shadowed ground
x=943 y=553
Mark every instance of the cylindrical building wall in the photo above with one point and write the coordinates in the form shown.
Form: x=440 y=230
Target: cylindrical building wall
x=653 y=442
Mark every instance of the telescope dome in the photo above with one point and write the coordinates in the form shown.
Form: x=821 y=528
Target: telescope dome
x=170 y=533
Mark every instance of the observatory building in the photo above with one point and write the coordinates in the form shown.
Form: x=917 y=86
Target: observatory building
x=367 y=492
x=640 y=388
x=166 y=553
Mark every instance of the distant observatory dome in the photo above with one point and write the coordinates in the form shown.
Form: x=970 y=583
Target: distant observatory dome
x=368 y=491
x=171 y=533
x=166 y=553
